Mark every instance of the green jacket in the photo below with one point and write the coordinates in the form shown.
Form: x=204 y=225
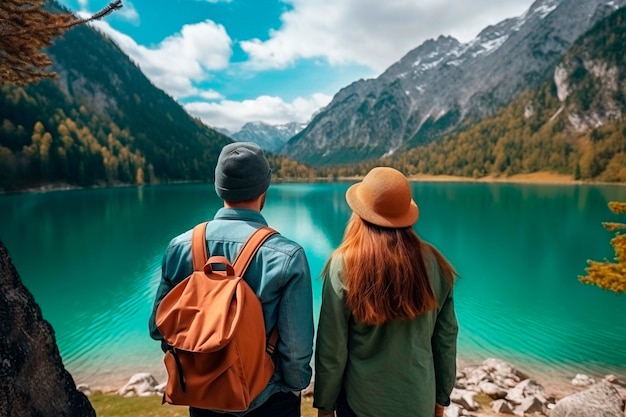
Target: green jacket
x=396 y=369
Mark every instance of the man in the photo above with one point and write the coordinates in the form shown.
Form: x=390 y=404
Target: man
x=279 y=275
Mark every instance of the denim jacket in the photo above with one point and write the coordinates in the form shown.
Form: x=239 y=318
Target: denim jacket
x=279 y=274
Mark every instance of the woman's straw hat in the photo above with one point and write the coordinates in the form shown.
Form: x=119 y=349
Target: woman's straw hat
x=384 y=199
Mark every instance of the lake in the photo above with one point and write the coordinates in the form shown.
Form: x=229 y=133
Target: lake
x=92 y=260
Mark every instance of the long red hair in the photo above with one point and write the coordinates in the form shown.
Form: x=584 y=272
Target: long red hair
x=385 y=274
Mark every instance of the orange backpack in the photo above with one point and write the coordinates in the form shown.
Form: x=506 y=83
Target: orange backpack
x=218 y=356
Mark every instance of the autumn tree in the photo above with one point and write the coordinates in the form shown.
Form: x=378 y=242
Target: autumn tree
x=611 y=275
x=25 y=29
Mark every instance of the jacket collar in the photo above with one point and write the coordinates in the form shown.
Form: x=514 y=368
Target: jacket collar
x=240 y=214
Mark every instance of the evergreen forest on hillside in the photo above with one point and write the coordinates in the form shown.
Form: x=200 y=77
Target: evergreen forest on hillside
x=102 y=122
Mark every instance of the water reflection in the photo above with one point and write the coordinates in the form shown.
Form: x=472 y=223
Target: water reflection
x=312 y=216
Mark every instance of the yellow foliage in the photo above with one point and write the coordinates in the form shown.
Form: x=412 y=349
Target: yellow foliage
x=26 y=29
x=610 y=275
x=612 y=227
x=617 y=207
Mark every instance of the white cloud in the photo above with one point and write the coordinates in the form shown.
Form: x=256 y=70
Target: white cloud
x=181 y=59
x=273 y=110
x=128 y=11
x=371 y=32
x=210 y=94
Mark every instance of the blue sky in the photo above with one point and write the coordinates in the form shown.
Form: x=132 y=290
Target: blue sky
x=229 y=62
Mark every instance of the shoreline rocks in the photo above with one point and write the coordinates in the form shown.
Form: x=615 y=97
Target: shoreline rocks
x=493 y=388
x=507 y=390
x=142 y=385
x=601 y=399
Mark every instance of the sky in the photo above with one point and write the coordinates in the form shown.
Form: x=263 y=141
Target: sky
x=229 y=62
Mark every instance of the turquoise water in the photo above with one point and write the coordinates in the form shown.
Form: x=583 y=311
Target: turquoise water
x=92 y=260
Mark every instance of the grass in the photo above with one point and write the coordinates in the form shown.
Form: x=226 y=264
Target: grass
x=113 y=405
x=483 y=399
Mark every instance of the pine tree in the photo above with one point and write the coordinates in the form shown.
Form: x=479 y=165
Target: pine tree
x=610 y=275
x=25 y=29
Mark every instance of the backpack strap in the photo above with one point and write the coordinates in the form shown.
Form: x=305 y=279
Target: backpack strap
x=250 y=248
x=198 y=246
x=242 y=262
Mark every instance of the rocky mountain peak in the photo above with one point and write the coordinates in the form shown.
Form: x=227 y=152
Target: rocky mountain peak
x=269 y=137
x=442 y=82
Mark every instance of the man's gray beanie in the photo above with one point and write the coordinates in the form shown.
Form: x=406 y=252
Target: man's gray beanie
x=242 y=172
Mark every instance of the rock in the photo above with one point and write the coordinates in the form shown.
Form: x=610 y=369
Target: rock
x=612 y=379
x=33 y=380
x=141 y=384
x=453 y=410
x=599 y=400
x=582 y=380
x=508 y=382
x=529 y=405
x=461 y=383
x=160 y=389
x=494 y=391
x=502 y=407
x=465 y=399
x=527 y=388
x=478 y=375
x=84 y=388
x=503 y=369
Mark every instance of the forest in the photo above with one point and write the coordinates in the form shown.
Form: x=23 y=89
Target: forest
x=80 y=113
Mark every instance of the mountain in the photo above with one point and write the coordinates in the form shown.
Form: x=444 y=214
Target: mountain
x=269 y=137
x=574 y=123
x=223 y=131
x=443 y=85
x=101 y=122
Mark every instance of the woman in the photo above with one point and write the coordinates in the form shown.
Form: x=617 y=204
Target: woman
x=386 y=341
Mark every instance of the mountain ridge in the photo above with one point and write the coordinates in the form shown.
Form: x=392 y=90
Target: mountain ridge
x=270 y=137
x=573 y=124
x=441 y=84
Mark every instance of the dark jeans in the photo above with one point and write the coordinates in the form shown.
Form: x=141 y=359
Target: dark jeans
x=343 y=409
x=281 y=404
